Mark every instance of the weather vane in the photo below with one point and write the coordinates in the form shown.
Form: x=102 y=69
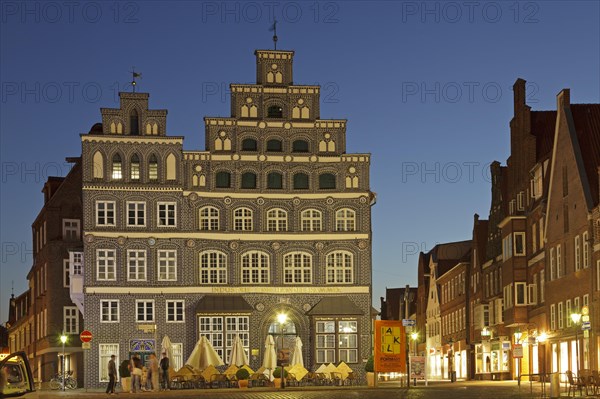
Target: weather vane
x=274 y=30
x=134 y=75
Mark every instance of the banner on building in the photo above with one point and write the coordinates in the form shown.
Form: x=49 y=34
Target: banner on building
x=390 y=347
x=417 y=367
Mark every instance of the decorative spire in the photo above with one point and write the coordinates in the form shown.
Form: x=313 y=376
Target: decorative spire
x=273 y=29
x=134 y=75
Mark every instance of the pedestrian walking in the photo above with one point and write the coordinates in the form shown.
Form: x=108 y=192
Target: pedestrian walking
x=112 y=376
x=152 y=376
x=164 y=372
x=136 y=374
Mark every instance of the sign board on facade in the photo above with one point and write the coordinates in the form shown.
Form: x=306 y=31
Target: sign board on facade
x=409 y=322
x=417 y=367
x=585 y=310
x=390 y=346
x=518 y=350
x=85 y=336
x=86 y=345
x=586 y=325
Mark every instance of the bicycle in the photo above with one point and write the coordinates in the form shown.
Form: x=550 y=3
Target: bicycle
x=56 y=382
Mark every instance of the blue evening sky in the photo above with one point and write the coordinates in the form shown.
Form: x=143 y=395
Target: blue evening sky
x=426 y=88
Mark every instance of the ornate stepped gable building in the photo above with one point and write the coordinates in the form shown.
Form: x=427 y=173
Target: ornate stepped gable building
x=272 y=217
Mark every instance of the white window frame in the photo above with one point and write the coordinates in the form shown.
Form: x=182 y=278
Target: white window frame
x=208 y=218
x=106 y=213
x=105 y=351
x=277 y=220
x=242 y=219
x=559 y=271
x=339 y=267
x=586 y=300
x=71 y=229
x=552 y=265
x=70 y=319
x=175 y=311
x=560 y=316
x=66 y=273
x=552 y=317
x=212 y=267
x=177 y=351
x=520 y=286
x=311 y=220
x=532 y=294
x=542 y=286
x=220 y=330
x=521 y=201
x=166 y=262
x=577 y=252
x=345 y=220
x=507 y=249
x=137 y=264
x=519 y=235
x=255 y=268
x=108 y=261
x=568 y=310
x=166 y=214
x=297 y=268
x=112 y=317
x=586 y=250
x=146 y=304
x=137 y=207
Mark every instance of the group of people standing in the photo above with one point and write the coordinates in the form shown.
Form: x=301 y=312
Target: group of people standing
x=136 y=370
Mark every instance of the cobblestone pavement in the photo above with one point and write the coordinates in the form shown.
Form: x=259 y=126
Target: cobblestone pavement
x=439 y=390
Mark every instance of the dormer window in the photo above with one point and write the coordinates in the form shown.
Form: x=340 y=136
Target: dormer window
x=275 y=111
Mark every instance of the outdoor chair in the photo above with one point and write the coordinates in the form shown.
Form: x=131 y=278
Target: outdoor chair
x=575 y=383
x=219 y=381
x=258 y=380
x=336 y=378
x=351 y=379
x=308 y=379
x=290 y=380
x=595 y=380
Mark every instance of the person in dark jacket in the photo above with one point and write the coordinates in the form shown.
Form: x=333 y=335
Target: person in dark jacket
x=164 y=372
x=112 y=376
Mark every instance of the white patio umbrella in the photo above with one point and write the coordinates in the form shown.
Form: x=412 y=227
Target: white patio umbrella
x=238 y=354
x=167 y=347
x=297 y=355
x=270 y=359
x=204 y=355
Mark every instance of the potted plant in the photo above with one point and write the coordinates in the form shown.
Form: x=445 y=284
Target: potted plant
x=242 y=376
x=277 y=377
x=370 y=369
x=125 y=375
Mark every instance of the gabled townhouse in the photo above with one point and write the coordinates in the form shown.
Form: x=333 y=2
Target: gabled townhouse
x=40 y=315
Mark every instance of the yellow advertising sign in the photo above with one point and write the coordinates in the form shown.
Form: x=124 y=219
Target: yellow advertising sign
x=390 y=346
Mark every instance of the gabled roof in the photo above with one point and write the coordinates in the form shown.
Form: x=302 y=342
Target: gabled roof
x=587 y=124
x=542 y=127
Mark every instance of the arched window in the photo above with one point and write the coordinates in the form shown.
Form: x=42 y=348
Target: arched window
x=117 y=167
x=255 y=268
x=339 y=268
x=213 y=267
x=274 y=145
x=171 y=167
x=300 y=146
x=274 y=111
x=300 y=181
x=275 y=180
x=248 y=180
x=134 y=123
x=249 y=145
x=153 y=168
x=135 y=167
x=276 y=220
x=223 y=180
x=98 y=165
x=297 y=268
x=326 y=181
x=242 y=219
x=311 y=220
x=345 y=220
x=209 y=218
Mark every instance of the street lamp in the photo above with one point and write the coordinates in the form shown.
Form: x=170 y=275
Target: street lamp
x=282 y=318
x=518 y=334
x=541 y=339
x=63 y=339
x=414 y=336
x=576 y=317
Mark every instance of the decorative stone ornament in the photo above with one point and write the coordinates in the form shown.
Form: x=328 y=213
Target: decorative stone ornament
x=193 y=197
x=276 y=246
x=260 y=306
x=89 y=238
x=191 y=243
x=306 y=307
x=151 y=241
x=121 y=240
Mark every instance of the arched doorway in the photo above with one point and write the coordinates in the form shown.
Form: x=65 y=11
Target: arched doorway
x=284 y=336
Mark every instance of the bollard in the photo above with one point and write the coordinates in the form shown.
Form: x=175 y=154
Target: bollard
x=554 y=385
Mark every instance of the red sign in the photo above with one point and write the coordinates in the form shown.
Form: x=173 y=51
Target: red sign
x=518 y=351
x=85 y=336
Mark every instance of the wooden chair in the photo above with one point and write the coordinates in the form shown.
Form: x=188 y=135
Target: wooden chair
x=336 y=378
x=258 y=380
x=308 y=379
x=575 y=383
x=351 y=379
x=291 y=380
x=219 y=381
x=595 y=380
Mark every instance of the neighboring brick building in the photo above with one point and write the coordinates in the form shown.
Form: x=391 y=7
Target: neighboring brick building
x=272 y=217
x=40 y=315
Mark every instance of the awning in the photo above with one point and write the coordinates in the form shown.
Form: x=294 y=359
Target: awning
x=223 y=303
x=334 y=306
